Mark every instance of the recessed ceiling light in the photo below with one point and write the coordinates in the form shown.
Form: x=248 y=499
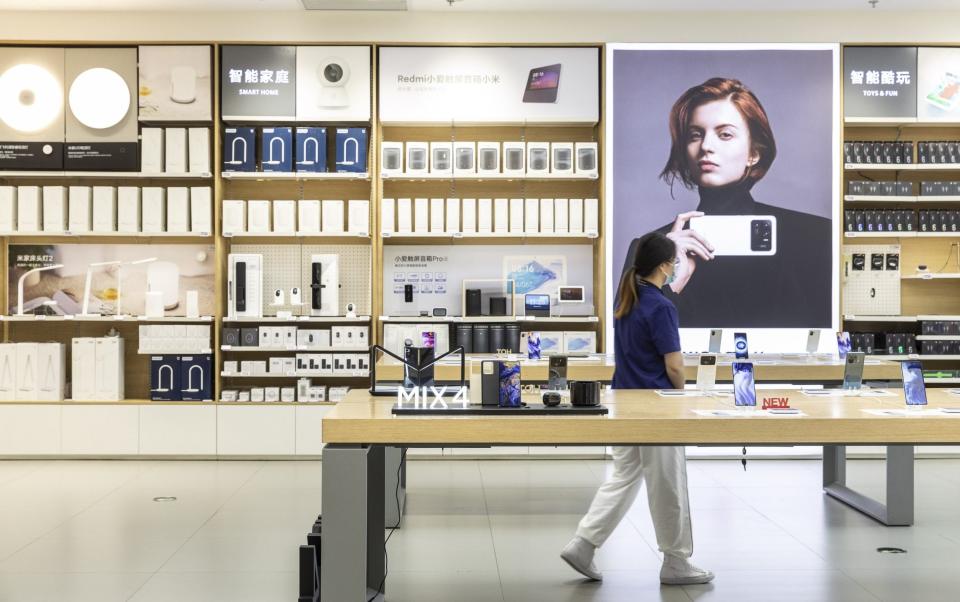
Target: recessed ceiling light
x=99 y=98
x=30 y=98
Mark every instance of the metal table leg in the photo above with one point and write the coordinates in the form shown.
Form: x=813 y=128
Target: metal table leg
x=394 y=464
x=352 y=564
x=898 y=510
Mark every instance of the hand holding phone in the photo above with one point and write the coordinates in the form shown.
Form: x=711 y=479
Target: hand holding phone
x=690 y=246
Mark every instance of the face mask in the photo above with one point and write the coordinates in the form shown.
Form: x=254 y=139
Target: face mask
x=670 y=277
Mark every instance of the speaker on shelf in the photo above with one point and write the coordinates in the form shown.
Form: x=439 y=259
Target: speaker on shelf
x=513 y=337
x=465 y=337
x=481 y=338
x=498 y=306
x=473 y=302
x=496 y=338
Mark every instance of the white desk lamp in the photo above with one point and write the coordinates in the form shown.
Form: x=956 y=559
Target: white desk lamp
x=24 y=277
x=85 y=311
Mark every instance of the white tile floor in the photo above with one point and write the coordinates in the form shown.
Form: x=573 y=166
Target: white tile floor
x=476 y=531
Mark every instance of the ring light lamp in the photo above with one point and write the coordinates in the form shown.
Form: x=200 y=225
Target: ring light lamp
x=99 y=98
x=30 y=98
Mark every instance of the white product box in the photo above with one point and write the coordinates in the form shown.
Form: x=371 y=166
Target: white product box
x=501 y=215
x=201 y=209
x=248 y=367
x=8 y=208
x=276 y=366
x=464 y=158
x=332 y=222
x=468 y=209
x=178 y=209
x=387 y=216
x=576 y=216
x=453 y=216
x=421 y=216
x=579 y=342
x=51 y=371
x=257 y=394
x=258 y=217
x=326 y=363
x=151 y=150
x=289 y=365
x=338 y=336
x=538 y=158
x=109 y=369
x=175 y=150
x=404 y=216
x=104 y=209
x=418 y=158
x=561 y=158
x=28 y=209
x=436 y=216
x=231 y=366
x=28 y=385
x=128 y=209
x=585 y=162
x=8 y=371
x=484 y=216
x=80 y=210
x=358 y=216
x=266 y=335
x=546 y=216
x=83 y=368
x=271 y=394
x=234 y=217
x=531 y=216
x=488 y=158
x=591 y=216
x=284 y=217
x=199 y=150
x=54 y=208
x=514 y=158
x=561 y=216
x=308 y=216
x=340 y=364
x=313 y=338
x=153 y=209
x=288 y=394
x=516 y=216
x=441 y=157
x=391 y=158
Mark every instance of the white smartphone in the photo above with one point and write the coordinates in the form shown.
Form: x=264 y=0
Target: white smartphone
x=738 y=235
x=716 y=334
x=707 y=372
x=813 y=340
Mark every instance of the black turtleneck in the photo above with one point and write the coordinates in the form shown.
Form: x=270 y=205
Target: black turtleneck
x=788 y=290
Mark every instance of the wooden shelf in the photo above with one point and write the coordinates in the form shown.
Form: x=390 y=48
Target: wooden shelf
x=296 y=349
x=901 y=166
x=494 y=319
x=930 y=276
x=293 y=176
x=880 y=318
x=856 y=122
x=854 y=198
x=432 y=237
x=486 y=177
x=112 y=236
x=305 y=319
x=99 y=175
x=278 y=237
x=91 y=318
x=355 y=374
x=901 y=234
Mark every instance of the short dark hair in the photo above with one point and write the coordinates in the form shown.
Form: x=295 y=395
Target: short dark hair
x=719 y=88
x=652 y=250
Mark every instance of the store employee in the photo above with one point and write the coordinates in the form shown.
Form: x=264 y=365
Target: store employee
x=647 y=348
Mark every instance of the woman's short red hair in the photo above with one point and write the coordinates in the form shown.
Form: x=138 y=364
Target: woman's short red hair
x=719 y=88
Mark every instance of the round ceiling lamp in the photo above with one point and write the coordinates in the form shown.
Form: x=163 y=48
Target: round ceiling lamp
x=99 y=98
x=30 y=98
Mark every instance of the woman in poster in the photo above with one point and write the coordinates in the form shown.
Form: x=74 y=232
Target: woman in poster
x=722 y=145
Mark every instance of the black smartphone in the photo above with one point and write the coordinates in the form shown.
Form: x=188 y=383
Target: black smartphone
x=542 y=84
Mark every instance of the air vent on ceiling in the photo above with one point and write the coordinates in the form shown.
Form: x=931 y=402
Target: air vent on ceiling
x=354 y=4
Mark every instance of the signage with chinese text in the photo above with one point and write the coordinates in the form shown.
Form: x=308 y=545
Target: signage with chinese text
x=879 y=82
x=259 y=82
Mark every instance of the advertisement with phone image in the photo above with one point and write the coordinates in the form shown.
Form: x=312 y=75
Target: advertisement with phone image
x=543 y=84
x=740 y=345
x=914 y=389
x=843 y=344
x=744 y=389
x=509 y=384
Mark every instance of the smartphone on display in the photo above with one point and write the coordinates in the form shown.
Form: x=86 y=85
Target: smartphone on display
x=707 y=372
x=813 y=340
x=533 y=346
x=740 y=345
x=738 y=235
x=843 y=344
x=509 y=384
x=557 y=376
x=914 y=390
x=716 y=335
x=853 y=370
x=744 y=390
x=542 y=84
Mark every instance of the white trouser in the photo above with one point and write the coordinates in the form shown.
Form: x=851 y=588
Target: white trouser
x=665 y=470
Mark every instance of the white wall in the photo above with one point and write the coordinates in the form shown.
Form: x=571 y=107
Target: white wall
x=457 y=26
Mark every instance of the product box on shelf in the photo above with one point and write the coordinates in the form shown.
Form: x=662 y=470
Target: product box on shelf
x=284 y=217
x=175 y=150
x=576 y=216
x=514 y=158
x=591 y=216
x=464 y=158
x=421 y=218
x=579 y=342
x=358 y=216
x=276 y=149
x=538 y=158
x=488 y=158
x=387 y=216
x=531 y=213
x=104 y=209
x=201 y=210
x=311 y=149
x=561 y=158
x=80 y=213
x=332 y=220
x=271 y=394
x=485 y=216
x=351 y=150
x=391 y=158
x=441 y=158
x=452 y=213
x=501 y=216
x=151 y=150
x=178 y=209
x=128 y=209
x=436 y=216
x=418 y=154
x=239 y=149
x=404 y=216
x=258 y=217
x=153 y=209
x=8 y=208
x=546 y=216
x=234 y=217
x=561 y=216
x=516 y=216
x=28 y=385
x=51 y=371
x=165 y=378
x=8 y=371
x=308 y=216
x=54 y=208
x=28 y=209
x=198 y=153
x=109 y=381
x=468 y=211
x=586 y=159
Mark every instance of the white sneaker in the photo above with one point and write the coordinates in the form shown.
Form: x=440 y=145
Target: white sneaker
x=679 y=571
x=579 y=555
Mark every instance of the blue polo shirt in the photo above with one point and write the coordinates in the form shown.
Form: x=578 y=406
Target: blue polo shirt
x=641 y=339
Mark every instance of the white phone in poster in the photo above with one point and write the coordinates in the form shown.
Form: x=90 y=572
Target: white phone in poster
x=738 y=235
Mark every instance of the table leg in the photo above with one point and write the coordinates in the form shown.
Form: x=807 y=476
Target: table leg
x=898 y=510
x=352 y=563
x=394 y=464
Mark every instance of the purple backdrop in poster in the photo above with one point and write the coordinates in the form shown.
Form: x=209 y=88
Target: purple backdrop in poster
x=751 y=281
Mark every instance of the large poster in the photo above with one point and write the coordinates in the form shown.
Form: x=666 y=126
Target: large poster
x=731 y=151
x=938 y=88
